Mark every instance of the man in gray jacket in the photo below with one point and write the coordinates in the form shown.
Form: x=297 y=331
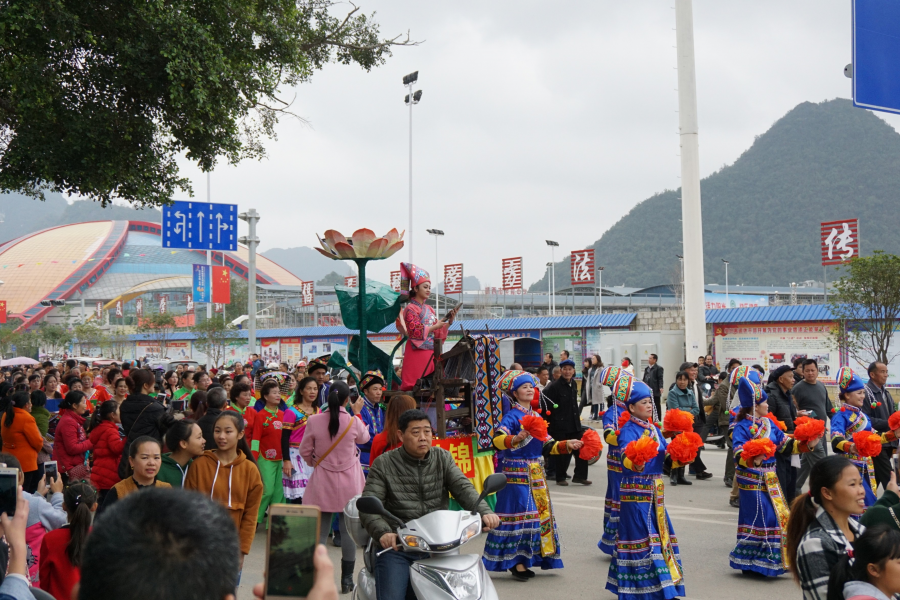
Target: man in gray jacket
x=411 y=482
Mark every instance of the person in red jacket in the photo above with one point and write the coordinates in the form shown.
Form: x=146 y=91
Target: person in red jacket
x=389 y=438
x=71 y=442
x=241 y=395
x=61 y=549
x=108 y=447
x=266 y=446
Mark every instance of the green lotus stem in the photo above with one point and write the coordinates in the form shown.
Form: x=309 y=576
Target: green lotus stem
x=363 y=329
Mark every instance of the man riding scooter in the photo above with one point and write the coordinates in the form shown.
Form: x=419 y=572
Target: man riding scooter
x=411 y=482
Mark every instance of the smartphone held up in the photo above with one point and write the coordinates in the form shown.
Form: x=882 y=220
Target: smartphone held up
x=293 y=534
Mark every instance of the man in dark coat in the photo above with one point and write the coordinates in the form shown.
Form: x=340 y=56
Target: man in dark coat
x=653 y=377
x=781 y=404
x=565 y=422
x=878 y=414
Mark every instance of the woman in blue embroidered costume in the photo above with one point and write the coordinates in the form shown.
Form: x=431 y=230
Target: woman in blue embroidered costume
x=527 y=536
x=646 y=564
x=849 y=420
x=607 y=543
x=763 y=516
x=372 y=413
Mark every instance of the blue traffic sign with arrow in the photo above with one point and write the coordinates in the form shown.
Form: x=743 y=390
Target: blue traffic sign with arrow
x=876 y=48
x=200 y=226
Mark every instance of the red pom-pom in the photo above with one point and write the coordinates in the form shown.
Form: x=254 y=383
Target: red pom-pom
x=678 y=420
x=779 y=424
x=684 y=446
x=642 y=450
x=759 y=447
x=808 y=429
x=548 y=413
x=624 y=418
x=894 y=421
x=867 y=443
x=593 y=445
x=535 y=426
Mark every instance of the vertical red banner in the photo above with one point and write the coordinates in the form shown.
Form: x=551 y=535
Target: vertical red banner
x=352 y=281
x=512 y=273
x=189 y=304
x=308 y=291
x=218 y=307
x=395 y=281
x=98 y=310
x=840 y=241
x=453 y=279
x=163 y=303
x=221 y=285
x=583 y=271
x=120 y=309
x=2 y=312
x=139 y=307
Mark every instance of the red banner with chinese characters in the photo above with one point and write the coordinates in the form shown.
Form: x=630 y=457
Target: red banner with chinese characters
x=163 y=303
x=120 y=309
x=582 y=262
x=461 y=449
x=512 y=273
x=395 y=281
x=840 y=241
x=221 y=285
x=352 y=281
x=453 y=279
x=139 y=307
x=308 y=291
x=218 y=307
x=188 y=304
x=98 y=310
x=2 y=312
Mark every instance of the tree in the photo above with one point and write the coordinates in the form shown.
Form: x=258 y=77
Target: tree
x=89 y=336
x=213 y=337
x=117 y=344
x=99 y=99
x=9 y=337
x=54 y=339
x=331 y=279
x=866 y=306
x=158 y=328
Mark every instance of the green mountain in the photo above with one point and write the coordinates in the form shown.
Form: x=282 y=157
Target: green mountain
x=819 y=162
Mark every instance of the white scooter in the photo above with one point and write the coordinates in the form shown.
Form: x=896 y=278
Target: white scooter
x=447 y=575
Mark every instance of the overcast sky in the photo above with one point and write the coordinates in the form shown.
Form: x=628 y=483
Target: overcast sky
x=538 y=121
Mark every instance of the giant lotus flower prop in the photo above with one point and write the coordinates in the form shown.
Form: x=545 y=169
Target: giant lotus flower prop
x=362 y=247
x=363 y=244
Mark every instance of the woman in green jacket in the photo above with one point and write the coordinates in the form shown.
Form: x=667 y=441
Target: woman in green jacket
x=680 y=396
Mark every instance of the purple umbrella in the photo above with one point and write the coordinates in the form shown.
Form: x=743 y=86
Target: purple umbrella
x=18 y=361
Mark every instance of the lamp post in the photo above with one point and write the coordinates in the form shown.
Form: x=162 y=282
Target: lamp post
x=552 y=245
x=252 y=218
x=549 y=266
x=600 y=289
x=411 y=98
x=437 y=233
x=727 y=304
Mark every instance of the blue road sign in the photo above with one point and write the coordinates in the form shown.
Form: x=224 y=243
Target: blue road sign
x=201 y=287
x=200 y=226
x=876 y=48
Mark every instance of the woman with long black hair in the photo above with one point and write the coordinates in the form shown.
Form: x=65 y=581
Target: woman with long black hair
x=22 y=438
x=61 y=549
x=329 y=446
x=872 y=571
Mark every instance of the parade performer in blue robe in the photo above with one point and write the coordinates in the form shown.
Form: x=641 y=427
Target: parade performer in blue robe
x=528 y=535
x=763 y=516
x=607 y=543
x=850 y=420
x=646 y=564
x=372 y=387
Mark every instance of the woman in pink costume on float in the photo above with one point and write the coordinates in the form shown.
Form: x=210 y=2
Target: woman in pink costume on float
x=420 y=324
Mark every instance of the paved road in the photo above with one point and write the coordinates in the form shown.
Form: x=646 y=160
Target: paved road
x=704 y=523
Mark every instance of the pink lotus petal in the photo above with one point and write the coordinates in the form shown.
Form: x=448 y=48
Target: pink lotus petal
x=328 y=254
x=377 y=248
x=345 y=250
x=392 y=250
x=361 y=240
x=333 y=237
x=392 y=236
x=328 y=247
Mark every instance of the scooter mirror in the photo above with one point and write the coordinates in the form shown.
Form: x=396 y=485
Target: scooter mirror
x=492 y=484
x=373 y=506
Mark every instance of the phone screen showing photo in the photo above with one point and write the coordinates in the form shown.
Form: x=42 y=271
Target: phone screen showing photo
x=291 y=547
x=9 y=483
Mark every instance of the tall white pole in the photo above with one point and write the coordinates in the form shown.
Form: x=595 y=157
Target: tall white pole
x=600 y=285
x=410 y=176
x=727 y=305
x=437 y=273
x=692 y=224
x=208 y=253
x=552 y=282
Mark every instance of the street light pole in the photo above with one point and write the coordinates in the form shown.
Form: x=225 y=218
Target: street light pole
x=411 y=98
x=681 y=273
x=600 y=286
x=553 y=245
x=727 y=304
x=437 y=267
x=252 y=218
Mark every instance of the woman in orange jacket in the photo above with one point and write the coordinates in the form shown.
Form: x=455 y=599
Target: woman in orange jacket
x=22 y=438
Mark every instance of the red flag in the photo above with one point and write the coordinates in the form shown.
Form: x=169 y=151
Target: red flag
x=3 y=312
x=221 y=285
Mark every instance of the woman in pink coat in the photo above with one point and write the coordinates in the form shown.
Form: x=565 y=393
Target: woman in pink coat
x=329 y=446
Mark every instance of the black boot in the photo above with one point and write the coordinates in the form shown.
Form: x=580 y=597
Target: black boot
x=673 y=476
x=347 y=576
x=681 y=478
